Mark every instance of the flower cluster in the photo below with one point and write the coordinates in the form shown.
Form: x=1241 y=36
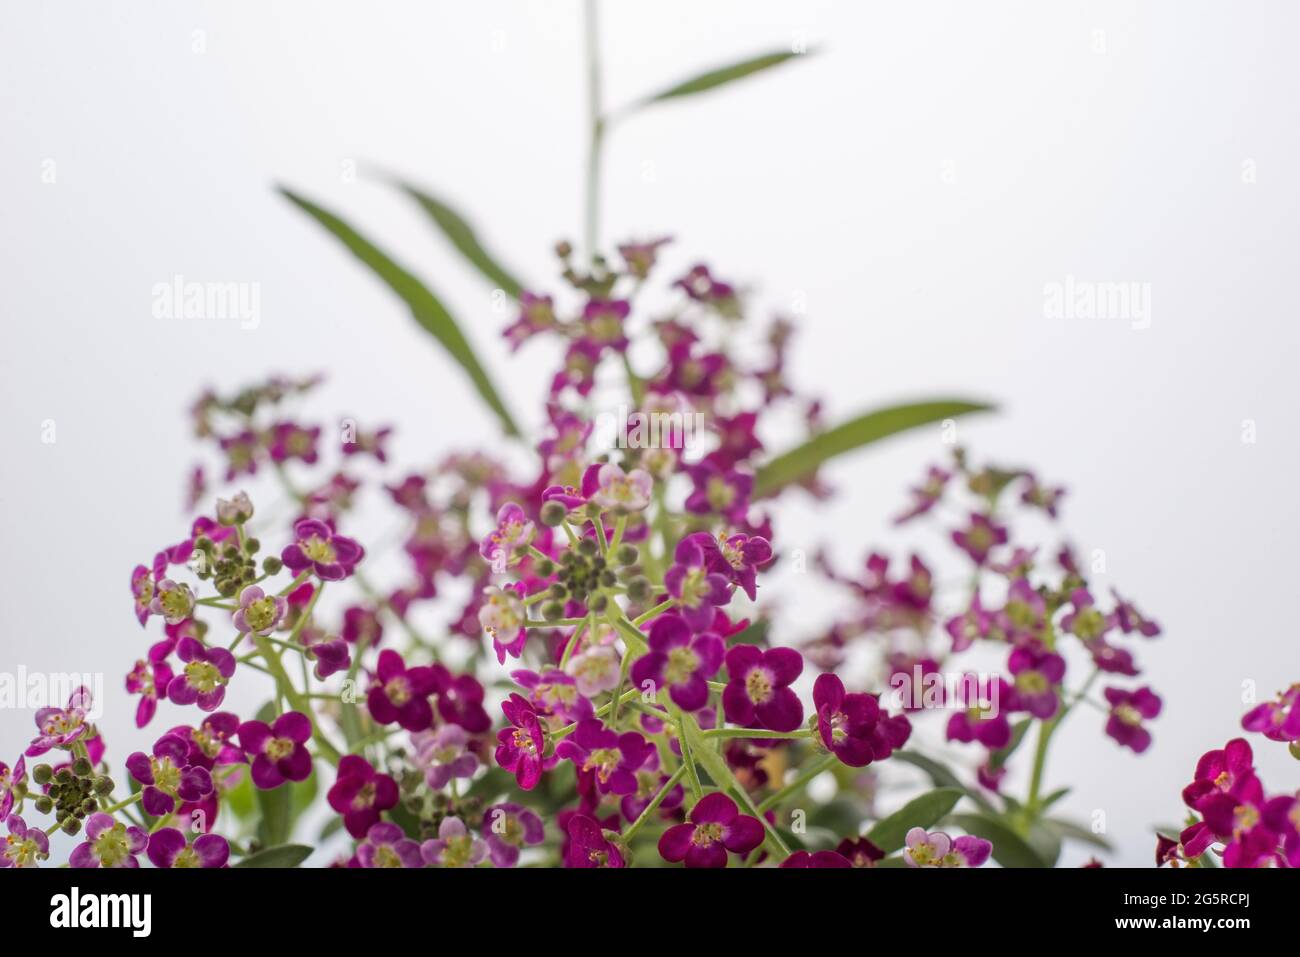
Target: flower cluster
x=571 y=664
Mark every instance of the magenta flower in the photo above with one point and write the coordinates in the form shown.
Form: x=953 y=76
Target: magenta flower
x=554 y=694
x=288 y=440
x=1128 y=709
x=853 y=727
x=679 y=661
x=175 y=602
x=401 y=694
x=588 y=846
x=361 y=794
x=1037 y=675
x=168 y=848
x=169 y=775
x=611 y=757
x=25 y=846
x=142 y=590
x=10 y=779
x=1129 y=619
x=1230 y=771
x=243 y=449
x=444 y=754
x=980 y=537
x=520 y=746
x=1084 y=620
x=759 y=694
x=331 y=557
x=816 y=859
x=536 y=314
x=937 y=849
x=970 y=626
x=639 y=257
x=59 y=727
x=369 y=443
x=715 y=826
x=926 y=495
x=1277 y=720
x=602 y=323
x=650 y=780
x=978 y=721
x=701 y=286
x=455 y=846
x=725 y=492
x=205 y=676
x=213 y=741
x=696 y=589
x=278 y=749
x=504 y=617
x=149 y=679
x=386 y=845
x=259 y=613
x=513 y=531
x=507 y=829
x=361 y=625
x=859 y=852
x=109 y=843
x=620 y=491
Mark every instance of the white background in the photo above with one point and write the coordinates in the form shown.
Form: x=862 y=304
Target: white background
x=1115 y=155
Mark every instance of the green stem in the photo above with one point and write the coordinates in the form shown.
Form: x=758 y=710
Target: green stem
x=653 y=806
x=798 y=784
x=596 y=129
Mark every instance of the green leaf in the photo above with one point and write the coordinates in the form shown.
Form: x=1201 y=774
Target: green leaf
x=753 y=634
x=940 y=776
x=1070 y=831
x=462 y=236
x=284 y=855
x=889 y=833
x=1009 y=848
x=427 y=309
x=720 y=76
x=800 y=462
x=276 y=806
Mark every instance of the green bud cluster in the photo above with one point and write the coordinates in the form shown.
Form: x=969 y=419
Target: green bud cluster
x=71 y=793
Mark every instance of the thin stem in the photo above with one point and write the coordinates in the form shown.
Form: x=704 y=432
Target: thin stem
x=799 y=783
x=596 y=129
x=653 y=806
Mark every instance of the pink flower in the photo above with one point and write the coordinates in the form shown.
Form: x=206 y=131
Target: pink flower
x=715 y=827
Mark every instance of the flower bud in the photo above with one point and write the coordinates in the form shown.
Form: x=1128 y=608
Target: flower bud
x=42 y=773
x=588 y=547
x=545 y=568
x=627 y=554
x=552 y=514
x=81 y=767
x=552 y=611
x=638 y=589
x=271 y=564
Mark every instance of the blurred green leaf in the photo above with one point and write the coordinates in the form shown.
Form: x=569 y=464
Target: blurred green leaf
x=427 y=309
x=941 y=777
x=462 y=236
x=889 y=833
x=800 y=462
x=284 y=855
x=276 y=805
x=1009 y=848
x=722 y=75
x=1071 y=831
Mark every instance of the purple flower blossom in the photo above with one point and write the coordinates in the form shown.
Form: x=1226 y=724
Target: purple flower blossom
x=109 y=843
x=595 y=670
x=680 y=661
x=444 y=754
x=520 y=746
x=937 y=849
x=816 y=859
x=25 y=846
x=401 y=694
x=725 y=492
x=602 y=323
x=204 y=678
x=455 y=846
x=507 y=828
x=650 y=780
x=142 y=590
x=503 y=616
x=980 y=537
x=59 y=727
x=926 y=495
x=1128 y=709
x=695 y=589
x=9 y=782
x=288 y=440
x=259 y=613
x=1037 y=675
x=361 y=794
x=387 y=846
x=979 y=721
x=1277 y=720
x=175 y=602
x=715 y=826
x=611 y=757
x=620 y=491
x=278 y=749
x=331 y=557
x=513 y=532
x=1084 y=620
x=588 y=846
x=169 y=775
x=853 y=727
x=759 y=693
x=1129 y=619
x=536 y=314
x=149 y=679
x=555 y=694
x=168 y=848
